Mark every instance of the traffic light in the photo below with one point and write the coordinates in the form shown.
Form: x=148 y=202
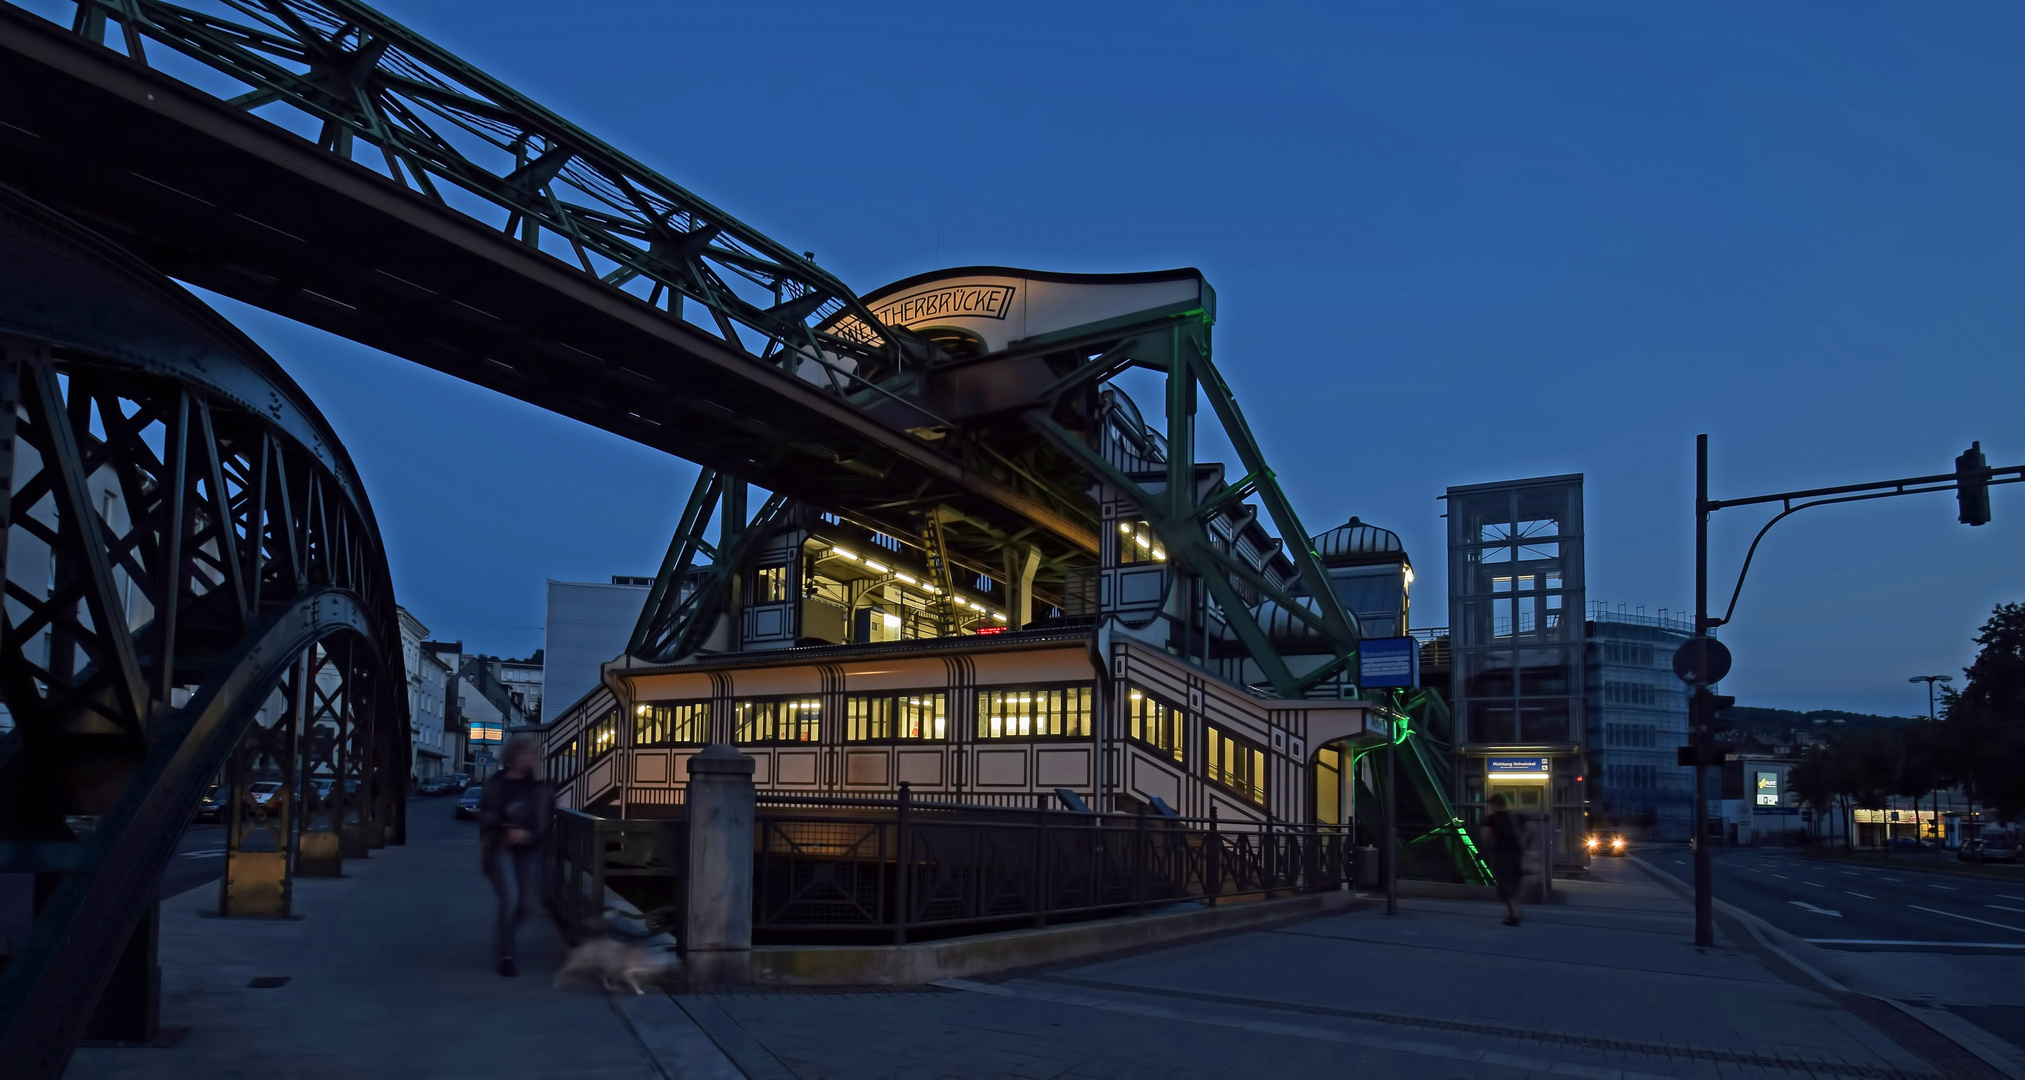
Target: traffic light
x=1703 y=707
x=1972 y=485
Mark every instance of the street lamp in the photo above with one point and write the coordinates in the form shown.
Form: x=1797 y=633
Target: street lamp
x=1930 y=680
x=1939 y=838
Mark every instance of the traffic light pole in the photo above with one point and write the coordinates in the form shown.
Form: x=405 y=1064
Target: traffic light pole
x=1971 y=482
x=1699 y=736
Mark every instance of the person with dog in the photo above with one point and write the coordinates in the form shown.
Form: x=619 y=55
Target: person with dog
x=513 y=818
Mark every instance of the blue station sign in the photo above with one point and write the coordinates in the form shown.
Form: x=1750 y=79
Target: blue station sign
x=1384 y=662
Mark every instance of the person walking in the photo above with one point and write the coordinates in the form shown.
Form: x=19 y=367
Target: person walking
x=513 y=818
x=1507 y=843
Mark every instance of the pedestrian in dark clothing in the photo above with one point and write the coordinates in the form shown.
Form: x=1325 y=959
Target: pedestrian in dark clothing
x=513 y=818
x=1506 y=836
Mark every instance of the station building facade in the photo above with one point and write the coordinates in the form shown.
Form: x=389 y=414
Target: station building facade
x=837 y=676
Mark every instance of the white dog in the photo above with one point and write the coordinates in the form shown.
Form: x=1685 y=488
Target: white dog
x=615 y=963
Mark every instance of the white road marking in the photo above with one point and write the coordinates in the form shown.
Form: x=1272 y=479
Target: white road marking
x=1815 y=910
x=1937 y=944
x=1852 y=873
x=2001 y=907
x=1965 y=918
x=1881 y=877
x=1943 y=888
x=2008 y=896
x=1811 y=883
x=1781 y=877
x=204 y=854
x=1861 y=896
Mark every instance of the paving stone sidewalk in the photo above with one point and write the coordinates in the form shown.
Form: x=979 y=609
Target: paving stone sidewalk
x=388 y=976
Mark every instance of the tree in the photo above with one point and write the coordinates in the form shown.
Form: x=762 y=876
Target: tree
x=1982 y=746
x=1813 y=782
x=1921 y=769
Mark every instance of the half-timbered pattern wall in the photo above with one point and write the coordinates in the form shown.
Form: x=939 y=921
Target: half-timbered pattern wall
x=1011 y=720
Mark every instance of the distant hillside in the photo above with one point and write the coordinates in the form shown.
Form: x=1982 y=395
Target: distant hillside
x=1772 y=721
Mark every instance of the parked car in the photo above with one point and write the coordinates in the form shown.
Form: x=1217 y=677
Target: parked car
x=216 y=802
x=1990 y=849
x=1907 y=843
x=437 y=785
x=467 y=804
x=458 y=781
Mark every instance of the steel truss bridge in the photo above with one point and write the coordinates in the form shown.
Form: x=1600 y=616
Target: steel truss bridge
x=194 y=579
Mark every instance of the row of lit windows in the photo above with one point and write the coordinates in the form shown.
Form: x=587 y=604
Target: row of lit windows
x=791 y=721
x=918 y=717
x=671 y=724
x=923 y=716
x=1028 y=714
x=1236 y=763
x=1155 y=722
x=1137 y=544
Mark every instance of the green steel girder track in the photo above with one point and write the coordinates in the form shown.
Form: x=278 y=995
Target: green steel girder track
x=359 y=179
x=1180 y=347
x=1411 y=711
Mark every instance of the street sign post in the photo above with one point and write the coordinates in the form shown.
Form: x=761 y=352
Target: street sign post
x=1701 y=661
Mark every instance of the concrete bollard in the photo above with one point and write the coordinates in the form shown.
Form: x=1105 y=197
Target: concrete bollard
x=717 y=933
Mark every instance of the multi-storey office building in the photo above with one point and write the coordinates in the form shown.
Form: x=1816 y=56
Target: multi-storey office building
x=1516 y=634
x=1638 y=717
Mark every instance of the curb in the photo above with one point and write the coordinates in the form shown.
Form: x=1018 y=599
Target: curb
x=1947 y=1025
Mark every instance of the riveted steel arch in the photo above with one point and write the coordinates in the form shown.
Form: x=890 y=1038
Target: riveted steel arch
x=182 y=530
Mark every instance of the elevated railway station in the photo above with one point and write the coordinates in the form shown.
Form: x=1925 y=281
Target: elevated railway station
x=979 y=569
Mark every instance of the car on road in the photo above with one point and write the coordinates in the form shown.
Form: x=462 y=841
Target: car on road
x=438 y=785
x=467 y=804
x=1606 y=843
x=215 y=803
x=1988 y=849
x=262 y=791
x=1907 y=843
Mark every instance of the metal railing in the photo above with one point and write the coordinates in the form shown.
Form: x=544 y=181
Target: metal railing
x=844 y=870
x=901 y=869
x=641 y=860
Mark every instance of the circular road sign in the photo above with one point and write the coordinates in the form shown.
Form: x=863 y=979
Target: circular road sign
x=1701 y=660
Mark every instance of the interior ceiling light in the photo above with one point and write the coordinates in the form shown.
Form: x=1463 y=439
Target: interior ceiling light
x=874 y=567
x=842 y=553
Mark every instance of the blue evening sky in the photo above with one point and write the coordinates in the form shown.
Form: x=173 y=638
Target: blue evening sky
x=1452 y=244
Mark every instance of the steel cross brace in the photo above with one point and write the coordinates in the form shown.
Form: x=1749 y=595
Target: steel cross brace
x=437 y=120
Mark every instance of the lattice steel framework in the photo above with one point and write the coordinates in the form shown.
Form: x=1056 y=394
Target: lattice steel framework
x=184 y=530
x=375 y=92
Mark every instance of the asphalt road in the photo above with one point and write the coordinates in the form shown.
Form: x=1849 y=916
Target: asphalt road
x=199 y=858
x=1900 y=907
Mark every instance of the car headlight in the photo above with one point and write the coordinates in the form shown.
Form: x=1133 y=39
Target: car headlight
x=1591 y=842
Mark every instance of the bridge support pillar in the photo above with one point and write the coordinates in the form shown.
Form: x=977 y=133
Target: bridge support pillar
x=717 y=928
x=129 y=1009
